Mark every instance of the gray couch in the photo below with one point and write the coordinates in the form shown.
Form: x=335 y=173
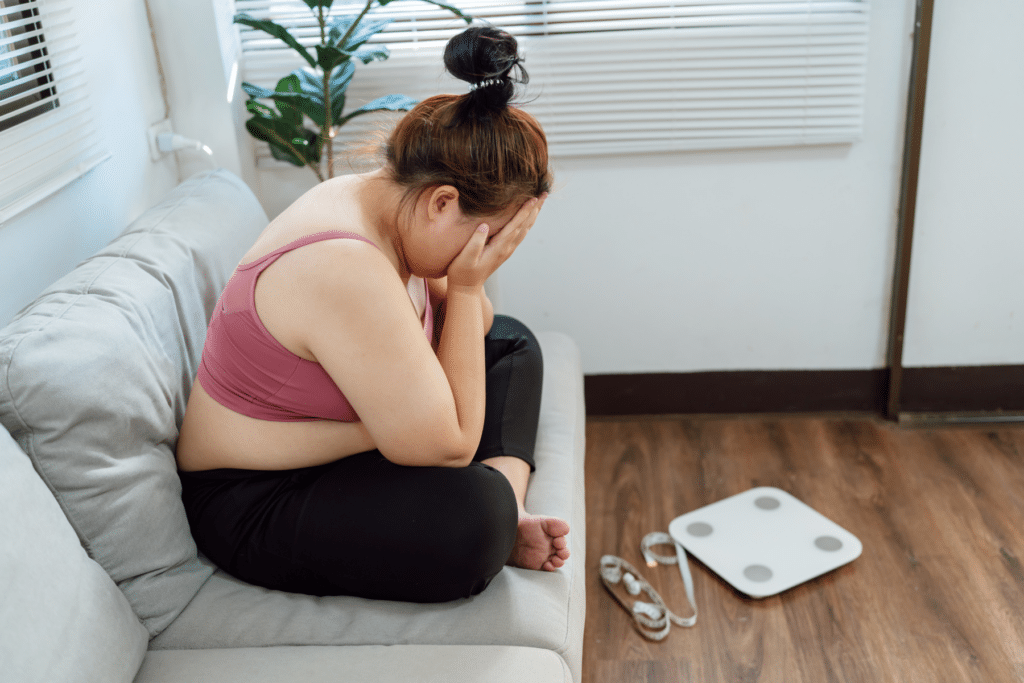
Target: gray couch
x=101 y=579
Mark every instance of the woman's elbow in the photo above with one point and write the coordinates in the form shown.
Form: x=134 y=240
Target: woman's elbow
x=426 y=455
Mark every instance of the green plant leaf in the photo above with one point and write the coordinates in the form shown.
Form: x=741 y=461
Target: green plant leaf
x=287 y=142
x=313 y=4
x=342 y=77
x=339 y=84
x=338 y=27
x=288 y=98
x=313 y=146
x=454 y=10
x=304 y=81
x=386 y=103
x=256 y=91
x=277 y=31
x=290 y=113
x=337 y=109
x=257 y=107
x=303 y=90
x=366 y=29
x=284 y=111
x=329 y=57
x=301 y=93
x=372 y=52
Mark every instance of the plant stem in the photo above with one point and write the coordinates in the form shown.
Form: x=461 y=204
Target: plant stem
x=328 y=126
x=325 y=127
x=285 y=143
x=327 y=88
x=325 y=131
x=319 y=175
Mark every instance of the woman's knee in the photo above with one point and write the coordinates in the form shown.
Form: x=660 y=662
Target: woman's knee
x=517 y=339
x=477 y=546
x=491 y=510
x=507 y=327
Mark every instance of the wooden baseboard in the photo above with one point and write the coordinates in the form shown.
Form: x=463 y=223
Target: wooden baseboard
x=967 y=389
x=746 y=391
x=980 y=389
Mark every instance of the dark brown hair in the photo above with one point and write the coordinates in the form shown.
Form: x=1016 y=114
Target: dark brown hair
x=494 y=154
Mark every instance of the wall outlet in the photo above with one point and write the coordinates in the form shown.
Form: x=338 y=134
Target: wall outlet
x=155 y=130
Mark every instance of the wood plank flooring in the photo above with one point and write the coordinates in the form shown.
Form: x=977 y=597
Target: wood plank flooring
x=936 y=596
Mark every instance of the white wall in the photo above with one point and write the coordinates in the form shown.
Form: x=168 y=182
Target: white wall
x=759 y=259
x=966 y=303
x=766 y=259
x=48 y=240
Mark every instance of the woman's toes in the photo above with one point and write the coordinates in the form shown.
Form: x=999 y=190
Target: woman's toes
x=553 y=563
x=540 y=543
x=556 y=527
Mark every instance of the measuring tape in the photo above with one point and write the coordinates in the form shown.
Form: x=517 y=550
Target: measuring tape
x=654 y=619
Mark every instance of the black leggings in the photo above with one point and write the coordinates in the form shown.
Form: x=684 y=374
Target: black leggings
x=367 y=527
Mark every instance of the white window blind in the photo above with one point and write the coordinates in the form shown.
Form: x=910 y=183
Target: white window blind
x=46 y=134
x=626 y=76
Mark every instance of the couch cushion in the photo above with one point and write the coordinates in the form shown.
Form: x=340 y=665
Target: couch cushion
x=94 y=377
x=61 y=617
x=357 y=664
x=520 y=607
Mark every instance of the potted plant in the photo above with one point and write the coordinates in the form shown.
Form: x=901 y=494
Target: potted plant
x=317 y=93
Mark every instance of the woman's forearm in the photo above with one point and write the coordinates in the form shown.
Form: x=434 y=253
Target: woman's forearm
x=461 y=354
x=438 y=294
x=487 y=309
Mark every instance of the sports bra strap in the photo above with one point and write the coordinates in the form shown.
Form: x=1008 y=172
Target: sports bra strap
x=303 y=241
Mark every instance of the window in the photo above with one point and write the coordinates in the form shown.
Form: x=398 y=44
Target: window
x=629 y=76
x=46 y=136
x=26 y=78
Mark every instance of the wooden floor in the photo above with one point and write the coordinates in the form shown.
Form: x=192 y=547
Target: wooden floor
x=936 y=596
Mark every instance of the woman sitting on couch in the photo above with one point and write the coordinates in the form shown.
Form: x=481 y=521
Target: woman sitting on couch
x=362 y=424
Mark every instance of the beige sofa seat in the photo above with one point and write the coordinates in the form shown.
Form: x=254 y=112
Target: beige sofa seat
x=358 y=663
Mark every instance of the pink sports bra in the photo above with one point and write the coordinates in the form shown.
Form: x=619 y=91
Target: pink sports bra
x=246 y=369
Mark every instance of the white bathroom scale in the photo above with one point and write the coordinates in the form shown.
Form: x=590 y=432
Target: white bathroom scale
x=764 y=541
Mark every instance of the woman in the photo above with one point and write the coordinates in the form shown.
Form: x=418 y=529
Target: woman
x=362 y=424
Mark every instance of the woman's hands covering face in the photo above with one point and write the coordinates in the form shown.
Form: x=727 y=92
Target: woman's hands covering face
x=482 y=256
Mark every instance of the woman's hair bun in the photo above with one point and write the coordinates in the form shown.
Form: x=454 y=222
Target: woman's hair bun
x=488 y=59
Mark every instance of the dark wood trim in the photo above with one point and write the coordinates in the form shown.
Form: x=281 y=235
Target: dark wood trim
x=970 y=389
x=908 y=204
x=950 y=394
x=955 y=419
x=769 y=391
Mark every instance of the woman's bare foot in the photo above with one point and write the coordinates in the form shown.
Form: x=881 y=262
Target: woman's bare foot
x=540 y=543
x=540 y=540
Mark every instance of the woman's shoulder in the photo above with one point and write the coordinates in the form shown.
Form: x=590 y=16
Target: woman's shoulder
x=324 y=280
x=322 y=216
